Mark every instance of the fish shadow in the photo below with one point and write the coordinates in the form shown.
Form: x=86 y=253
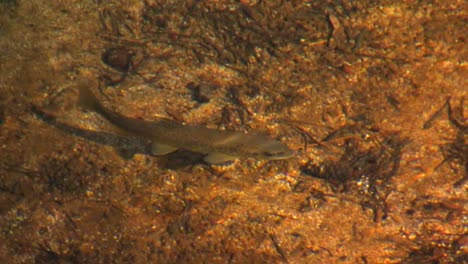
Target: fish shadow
x=126 y=146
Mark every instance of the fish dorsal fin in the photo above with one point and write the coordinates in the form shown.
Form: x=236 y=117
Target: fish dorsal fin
x=218 y=158
x=159 y=149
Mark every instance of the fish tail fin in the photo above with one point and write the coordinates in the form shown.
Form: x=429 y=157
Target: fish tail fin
x=86 y=98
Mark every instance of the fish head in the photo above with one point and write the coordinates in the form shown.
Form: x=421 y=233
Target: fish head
x=272 y=150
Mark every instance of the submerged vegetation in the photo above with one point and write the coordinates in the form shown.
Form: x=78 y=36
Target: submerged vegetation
x=370 y=96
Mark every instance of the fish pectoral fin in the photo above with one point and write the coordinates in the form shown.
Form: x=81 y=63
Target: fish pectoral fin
x=218 y=158
x=158 y=149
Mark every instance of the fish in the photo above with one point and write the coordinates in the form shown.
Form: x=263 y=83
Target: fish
x=166 y=136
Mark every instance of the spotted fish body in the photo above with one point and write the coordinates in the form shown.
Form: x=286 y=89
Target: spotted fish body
x=167 y=135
